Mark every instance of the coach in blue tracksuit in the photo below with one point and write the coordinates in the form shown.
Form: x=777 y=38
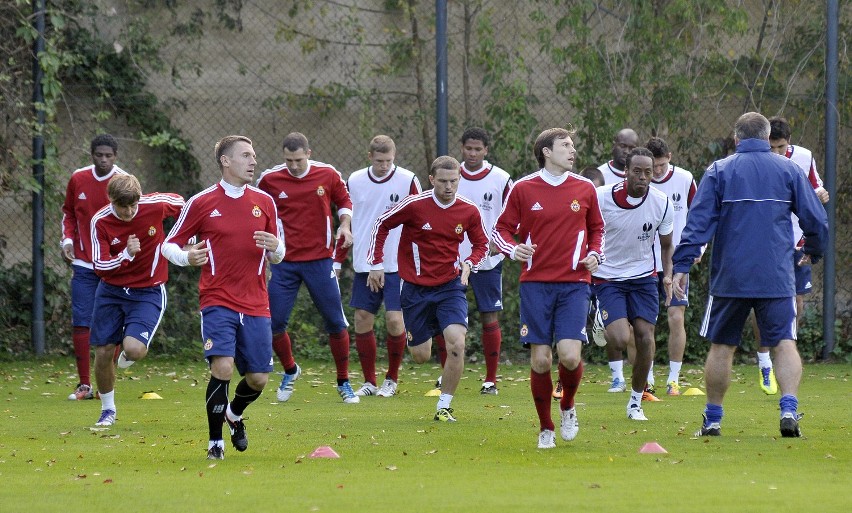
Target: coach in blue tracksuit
x=743 y=205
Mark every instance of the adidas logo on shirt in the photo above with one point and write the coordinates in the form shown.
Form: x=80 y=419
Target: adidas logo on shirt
x=145 y=335
x=283 y=195
x=537 y=206
x=82 y=196
x=215 y=213
x=498 y=304
x=426 y=226
x=114 y=241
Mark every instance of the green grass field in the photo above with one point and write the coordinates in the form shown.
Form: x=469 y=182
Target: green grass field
x=395 y=458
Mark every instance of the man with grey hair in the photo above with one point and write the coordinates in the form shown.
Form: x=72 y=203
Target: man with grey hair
x=744 y=204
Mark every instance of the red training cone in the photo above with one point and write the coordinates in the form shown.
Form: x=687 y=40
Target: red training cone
x=326 y=452
x=651 y=448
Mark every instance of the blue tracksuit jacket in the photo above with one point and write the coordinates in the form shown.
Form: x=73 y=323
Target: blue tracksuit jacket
x=743 y=205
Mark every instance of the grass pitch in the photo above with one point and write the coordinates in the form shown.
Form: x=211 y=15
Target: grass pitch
x=395 y=458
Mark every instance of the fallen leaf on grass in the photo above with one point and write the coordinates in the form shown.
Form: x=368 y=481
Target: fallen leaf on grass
x=391 y=467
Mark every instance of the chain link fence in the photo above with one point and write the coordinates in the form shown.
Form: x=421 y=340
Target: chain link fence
x=342 y=71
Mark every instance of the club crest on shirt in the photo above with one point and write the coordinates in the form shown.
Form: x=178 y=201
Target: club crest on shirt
x=676 y=202
x=208 y=344
x=459 y=229
x=524 y=330
x=575 y=206
x=255 y=211
x=152 y=231
x=409 y=336
x=604 y=315
x=320 y=191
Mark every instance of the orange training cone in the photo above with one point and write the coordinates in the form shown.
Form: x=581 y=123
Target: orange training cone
x=652 y=448
x=324 y=452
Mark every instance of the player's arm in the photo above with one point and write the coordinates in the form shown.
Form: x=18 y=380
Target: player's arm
x=106 y=263
x=506 y=228
x=596 y=232
x=812 y=220
x=666 y=251
x=477 y=234
x=700 y=224
x=341 y=199
x=175 y=247
x=69 y=223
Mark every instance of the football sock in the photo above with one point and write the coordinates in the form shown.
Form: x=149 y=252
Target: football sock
x=492 y=337
x=651 y=375
x=570 y=380
x=244 y=395
x=674 y=372
x=396 y=351
x=789 y=404
x=217 y=401
x=211 y=443
x=764 y=360
x=635 y=399
x=108 y=400
x=542 y=388
x=283 y=348
x=80 y=337
x=444 y=401
x=365 y=343
x=442 y=349
x=713 y=412
x=339 y=345
x=617 y=369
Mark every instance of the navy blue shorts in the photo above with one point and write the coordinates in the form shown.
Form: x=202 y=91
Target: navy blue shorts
x=365 y=299
x=661 y=290
x=551 y=312
x=725 y=317
x=427 y=311
x=321 y=281
x=628 y=299
x=126 y=312
x=488 y=289
x=803 y=274
x=246 y=338
x=84 y=283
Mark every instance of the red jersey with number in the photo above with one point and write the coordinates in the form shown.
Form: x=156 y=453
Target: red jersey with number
x=235 y=275
x=148 y=267
x=431 y=233
x=304 y=207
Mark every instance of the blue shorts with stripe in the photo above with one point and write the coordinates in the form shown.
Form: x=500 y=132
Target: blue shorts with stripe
x=121 y=312
x=725 y=317
x=803 y=274
x=321 y=281
x=551 y=312
x=365 y=299
x=628 y=299
x=488 y=289
x=246 y=338
x=84 y=284
x=427 y=311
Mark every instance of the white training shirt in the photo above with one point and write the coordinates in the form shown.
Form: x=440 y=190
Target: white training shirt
x=487 y=188
x=610 y=174
x=371 y=197
x=630 y=225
